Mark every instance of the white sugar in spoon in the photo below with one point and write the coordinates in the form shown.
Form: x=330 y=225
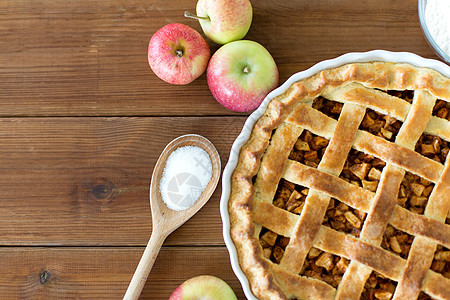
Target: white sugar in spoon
x=165 y=220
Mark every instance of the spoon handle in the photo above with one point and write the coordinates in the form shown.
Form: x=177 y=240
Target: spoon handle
x=145 y=265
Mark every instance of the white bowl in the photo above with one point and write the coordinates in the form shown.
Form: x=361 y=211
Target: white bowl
x=376 y=55
x=438 y=50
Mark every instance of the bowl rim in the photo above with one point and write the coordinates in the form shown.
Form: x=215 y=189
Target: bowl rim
x=352 y=57
x=423 y=24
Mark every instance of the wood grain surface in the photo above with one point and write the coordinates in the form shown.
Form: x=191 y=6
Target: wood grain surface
x=104 y=273
x=83 y=120
x=89 y=57
x=85 y=181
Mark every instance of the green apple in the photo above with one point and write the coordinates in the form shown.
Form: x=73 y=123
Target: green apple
x=224 y=21
x=240 y=74
x=203 y=287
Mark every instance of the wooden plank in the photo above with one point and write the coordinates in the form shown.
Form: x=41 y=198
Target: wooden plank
x=85 y=181
x=72 y=58
x=104 y=272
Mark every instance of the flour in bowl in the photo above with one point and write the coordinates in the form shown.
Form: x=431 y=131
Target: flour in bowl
x=437 y=18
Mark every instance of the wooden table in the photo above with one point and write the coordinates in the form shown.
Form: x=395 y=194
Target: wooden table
x=84 y=119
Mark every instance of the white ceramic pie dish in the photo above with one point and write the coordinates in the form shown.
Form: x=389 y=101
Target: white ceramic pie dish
x=376 y=55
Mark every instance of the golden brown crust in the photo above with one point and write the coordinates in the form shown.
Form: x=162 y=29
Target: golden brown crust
x=266 y=156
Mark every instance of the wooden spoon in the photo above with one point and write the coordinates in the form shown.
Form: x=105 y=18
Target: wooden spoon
x=164 y=219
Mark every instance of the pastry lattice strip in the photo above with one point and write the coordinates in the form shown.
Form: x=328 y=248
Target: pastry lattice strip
x=316 y=203
x=433 y=172
x=386 y=196
x=387 y=151
x=422 y=250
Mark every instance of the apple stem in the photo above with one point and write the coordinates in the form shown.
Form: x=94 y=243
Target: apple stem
x=179 y=53
x=192 y=16
x=246 y=70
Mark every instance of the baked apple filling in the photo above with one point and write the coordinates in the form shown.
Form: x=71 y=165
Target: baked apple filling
x=324 y=266
x=290 y=197
x=273 y=245
x=328 y=107
x=344 y=218
x=441 y=261
x=396 y=241
x=378 y=287
x=363 y=170
x=433 y=147
x=414 y=193
x=380 y=125
x=441 y=109
x=309 y=149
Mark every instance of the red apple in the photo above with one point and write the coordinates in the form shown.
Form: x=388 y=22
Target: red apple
x=204 y=287
x=178 y=54
x=240 y=74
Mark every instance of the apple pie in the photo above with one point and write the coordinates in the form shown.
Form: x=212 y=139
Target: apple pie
x=342 y=190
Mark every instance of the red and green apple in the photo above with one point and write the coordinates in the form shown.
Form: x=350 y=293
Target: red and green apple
x=203 y=287
x=224 y=21
x=240 y=74
x=178 y=54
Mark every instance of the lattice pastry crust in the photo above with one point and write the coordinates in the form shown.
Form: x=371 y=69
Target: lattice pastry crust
x=264 y=161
